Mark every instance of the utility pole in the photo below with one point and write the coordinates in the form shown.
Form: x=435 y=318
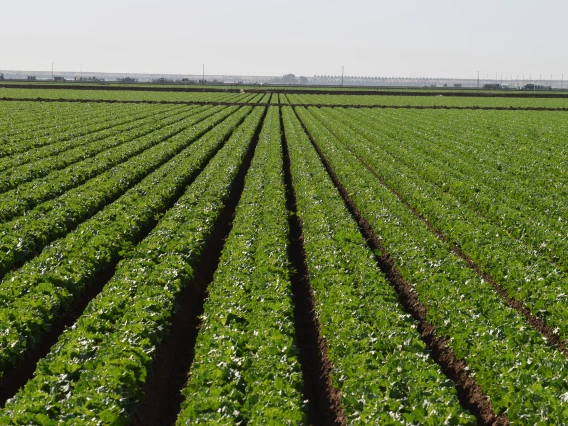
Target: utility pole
x=342 y=69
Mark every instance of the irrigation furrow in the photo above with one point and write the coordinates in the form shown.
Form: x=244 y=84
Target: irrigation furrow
x=169 y=371
x=470 y=393
x=532 y=320
x=264 y=104
x=324 y=400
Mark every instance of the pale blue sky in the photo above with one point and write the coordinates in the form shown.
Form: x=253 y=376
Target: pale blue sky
x=253 y=37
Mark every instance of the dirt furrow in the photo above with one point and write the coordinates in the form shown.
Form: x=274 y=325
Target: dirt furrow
x=353 y=106
x=324 y=400
x=169 y=372
x=470 y=394
x=531 y=319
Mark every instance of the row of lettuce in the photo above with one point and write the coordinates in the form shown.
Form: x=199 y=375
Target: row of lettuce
x=482 y=329
x=113 y=95
x=500 y=201
x=427 y=101
x=246 y=353
x=33 y=296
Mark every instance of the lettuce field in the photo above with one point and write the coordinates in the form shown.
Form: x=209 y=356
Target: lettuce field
x=272 y=258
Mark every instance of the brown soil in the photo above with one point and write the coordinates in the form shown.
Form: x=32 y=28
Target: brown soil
x=274 y=89
x=324 y=400
x=16 y=377
x=534 y=321
x=470 y=394
x=169 y=371
x=445 y=107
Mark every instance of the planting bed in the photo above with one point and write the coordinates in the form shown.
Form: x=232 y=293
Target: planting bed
x=282 y=258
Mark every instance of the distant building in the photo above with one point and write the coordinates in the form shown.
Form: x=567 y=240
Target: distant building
x=89 y=79
x=532 y=86
x=1 y=76
x=457 y=85
x=128 y=80
x=492 y=86
x=32 y=77
x=57 y=78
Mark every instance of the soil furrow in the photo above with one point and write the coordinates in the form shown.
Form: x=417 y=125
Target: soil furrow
x=530 y=318
x=466 y=92
x=16 y=377
x=353 y=106
x=169 y=372
x=470 y=394
x=324 y=400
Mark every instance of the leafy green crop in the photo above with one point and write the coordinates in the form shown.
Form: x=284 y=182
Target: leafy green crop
x=33 y=296
x=246 y=367
x=113 y=151
x=24 y=236
x=96 y=371
x=481 y=328
x=381 y=365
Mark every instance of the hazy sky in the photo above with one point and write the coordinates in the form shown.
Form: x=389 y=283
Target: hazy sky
x=253 y=37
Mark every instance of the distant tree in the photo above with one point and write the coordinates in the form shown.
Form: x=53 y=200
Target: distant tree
x=289 y=79
x=303 y=80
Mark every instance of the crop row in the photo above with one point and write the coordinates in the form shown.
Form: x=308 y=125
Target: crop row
x=32 y=297
x=114 y=151
x=480 y=327
x=96 y=371
x=246 y=367
x=124 y=95
x=440 y=100
x=529 y=277
x=76 y=127
x=381 y=366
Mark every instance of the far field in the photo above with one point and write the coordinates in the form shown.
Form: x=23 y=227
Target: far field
x=282 y=258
